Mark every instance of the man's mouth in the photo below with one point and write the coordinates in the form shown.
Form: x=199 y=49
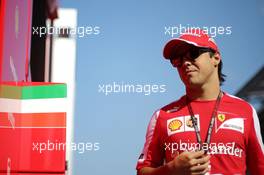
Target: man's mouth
x=187 y=72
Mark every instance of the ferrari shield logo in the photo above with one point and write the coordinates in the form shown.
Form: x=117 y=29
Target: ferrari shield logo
x=221 y=117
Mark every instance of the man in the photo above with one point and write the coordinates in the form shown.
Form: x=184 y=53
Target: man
x=206 y=131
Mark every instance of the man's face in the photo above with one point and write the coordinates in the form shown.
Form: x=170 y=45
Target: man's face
x=196 y=67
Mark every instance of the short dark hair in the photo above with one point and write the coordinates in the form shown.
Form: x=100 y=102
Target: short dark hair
x=221 y=76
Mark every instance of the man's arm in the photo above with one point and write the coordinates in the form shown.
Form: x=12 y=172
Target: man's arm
x=255 y=148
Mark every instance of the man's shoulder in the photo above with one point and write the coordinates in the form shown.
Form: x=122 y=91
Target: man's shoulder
x=238 y=104
x=174 y=106
x=236 y=100
x=163 y=112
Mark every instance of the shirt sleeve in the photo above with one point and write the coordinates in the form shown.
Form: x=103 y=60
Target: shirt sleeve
x=255 y=148
x=153 y=153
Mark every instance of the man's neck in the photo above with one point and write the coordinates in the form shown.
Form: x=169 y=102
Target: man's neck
x=203 y=93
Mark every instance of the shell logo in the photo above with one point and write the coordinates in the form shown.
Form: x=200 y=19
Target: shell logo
x=221 y=117
x=174 y=125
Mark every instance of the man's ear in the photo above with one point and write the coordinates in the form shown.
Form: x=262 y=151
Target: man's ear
x=216 y=59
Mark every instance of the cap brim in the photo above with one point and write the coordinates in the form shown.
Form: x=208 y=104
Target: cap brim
x=175 y=44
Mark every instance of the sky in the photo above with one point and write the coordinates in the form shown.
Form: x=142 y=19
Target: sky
x=125 y=47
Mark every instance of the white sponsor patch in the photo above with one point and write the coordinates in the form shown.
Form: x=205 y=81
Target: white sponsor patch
x=236 y=124
x=189 y=124
x=175 y=125
x=181 y=124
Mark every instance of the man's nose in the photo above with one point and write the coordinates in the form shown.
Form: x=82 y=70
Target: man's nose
x=186 y=61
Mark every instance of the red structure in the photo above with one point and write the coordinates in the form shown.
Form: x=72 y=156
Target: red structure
x=15 y=39
x=21 y=130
